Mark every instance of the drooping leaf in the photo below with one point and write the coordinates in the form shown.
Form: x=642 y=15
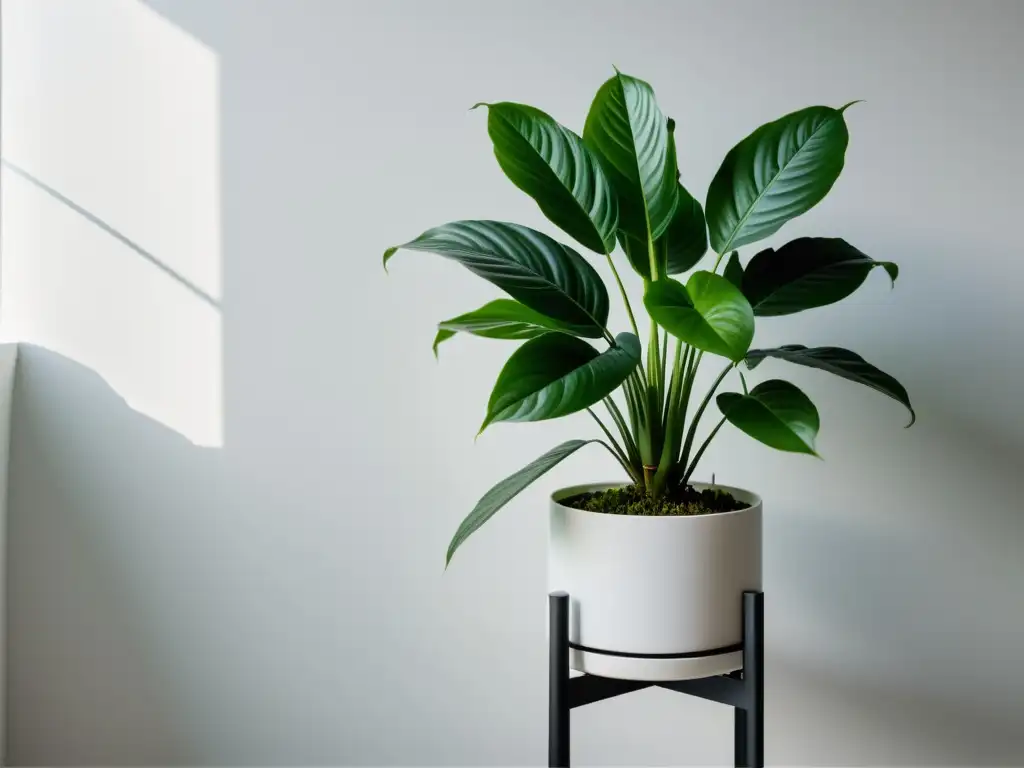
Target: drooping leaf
x=627 y=130
x=502 y=493
x=552 y=165
x=442 y=335
x=781 y=170
x=500 y=319
x=776 y=413
x=709 y=313
x=733 y=271
x=543 y=274
x=555 y=374
x=841 y=362
x=805 y=273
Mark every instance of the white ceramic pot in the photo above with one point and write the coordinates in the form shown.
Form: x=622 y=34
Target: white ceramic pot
x=655 y=586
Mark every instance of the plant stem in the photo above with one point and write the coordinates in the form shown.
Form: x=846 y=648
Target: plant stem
x=700 y=452
x=685 y=457
x=620 y=424
x=671 y=431
x=622 y=292
x=613 y=447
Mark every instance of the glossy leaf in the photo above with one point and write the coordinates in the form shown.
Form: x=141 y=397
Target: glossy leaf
x=776 y=413
x=548 y=277
x=499 y=319
x=552 y=165
x=733 y=271
x=781 y=170
x=555 y=374
x=709 y=312
x=502 y=493
x=628 y=131
x=806 y=273
x=841 y=362
x=686 y=239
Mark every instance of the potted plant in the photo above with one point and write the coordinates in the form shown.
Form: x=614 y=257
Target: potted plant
x=655 y=565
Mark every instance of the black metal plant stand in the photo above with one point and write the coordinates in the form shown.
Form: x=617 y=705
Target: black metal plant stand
x=743 y=689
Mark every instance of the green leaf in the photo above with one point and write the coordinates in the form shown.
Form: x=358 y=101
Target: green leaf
x=548 y=277
x=628 y=131
x=554 y=375
x=442 y=335
x=841 y=362
x=502 y=493
x=806 y=273
x=733 y=271
x=709 y=313
x=781 y=170
x=552 y=165
x=686 y=239
x=776 y=413
x=499 y=319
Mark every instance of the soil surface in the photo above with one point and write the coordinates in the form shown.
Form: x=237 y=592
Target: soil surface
x=633 y=500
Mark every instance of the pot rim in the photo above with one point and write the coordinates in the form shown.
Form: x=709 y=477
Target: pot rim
x=742 y=494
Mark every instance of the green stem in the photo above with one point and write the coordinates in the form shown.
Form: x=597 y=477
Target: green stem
x=700 y=452
x=685 y=457
x=613 y=447
x=622 y=292
x=671 y=431
x=620 y=424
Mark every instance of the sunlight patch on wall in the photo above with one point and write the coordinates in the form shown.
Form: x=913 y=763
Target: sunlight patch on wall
x=111 y=204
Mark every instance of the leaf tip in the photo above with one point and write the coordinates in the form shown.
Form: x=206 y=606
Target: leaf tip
x=846 y=106
x=479 y=104
x=387 y=256
x=892 y=270
x=913 y=418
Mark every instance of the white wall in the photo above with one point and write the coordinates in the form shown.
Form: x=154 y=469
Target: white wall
x=261 y=583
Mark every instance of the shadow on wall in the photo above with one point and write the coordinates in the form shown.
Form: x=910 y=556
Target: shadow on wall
x=94 y=584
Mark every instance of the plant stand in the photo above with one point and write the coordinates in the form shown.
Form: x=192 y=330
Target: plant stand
x=743 y=689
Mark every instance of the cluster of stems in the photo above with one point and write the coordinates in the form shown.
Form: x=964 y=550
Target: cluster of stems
x=655 y=443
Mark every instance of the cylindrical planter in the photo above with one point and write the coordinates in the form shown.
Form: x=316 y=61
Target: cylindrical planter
x=660 y=596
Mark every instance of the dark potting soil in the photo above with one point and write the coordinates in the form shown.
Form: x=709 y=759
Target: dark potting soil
x=633 y=500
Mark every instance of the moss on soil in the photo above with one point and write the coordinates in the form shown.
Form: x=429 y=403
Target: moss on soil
x=633 y=500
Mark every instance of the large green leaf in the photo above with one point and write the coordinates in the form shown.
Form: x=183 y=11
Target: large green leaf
x=628 y=131
x=499 y=319
x=709 y=313
x=507 y=489
x=554 y=375
x=805 y=273
x=781 y=170
x=841 y=362
x=776 y=413
x=543 y=274
x=552 y=165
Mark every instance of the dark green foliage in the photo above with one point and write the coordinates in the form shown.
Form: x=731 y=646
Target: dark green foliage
x=619 y=183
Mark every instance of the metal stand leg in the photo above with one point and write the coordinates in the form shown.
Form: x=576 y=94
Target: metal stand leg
x=558 y=680
x=740 y=738
x=751 y=722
